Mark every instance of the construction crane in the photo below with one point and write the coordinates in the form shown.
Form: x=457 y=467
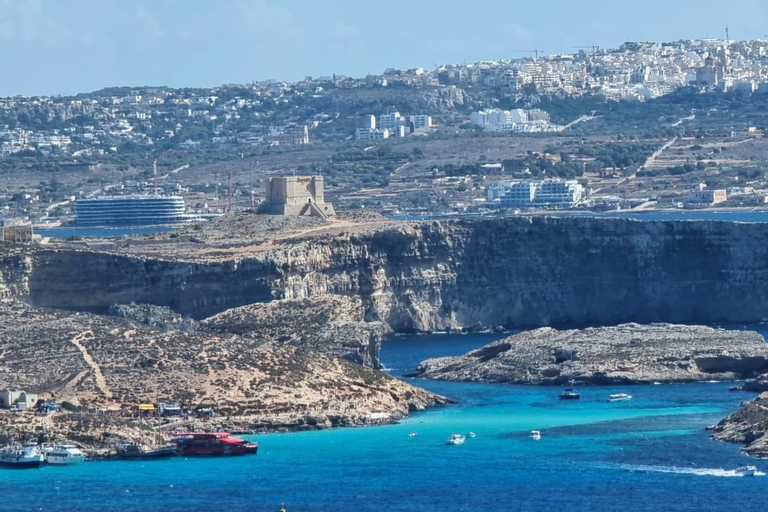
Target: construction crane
x=535 y=52
x=594 y=48
x=154 y=166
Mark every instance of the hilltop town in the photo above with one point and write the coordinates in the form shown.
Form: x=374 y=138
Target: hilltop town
x=129 y=118
x=657 y=125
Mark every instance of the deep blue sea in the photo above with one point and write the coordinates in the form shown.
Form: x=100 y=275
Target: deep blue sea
x=650 y=454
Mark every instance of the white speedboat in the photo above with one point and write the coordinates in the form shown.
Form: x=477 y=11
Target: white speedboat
x=412 y=434
x=535 y=435
x=619 y=397
x=471 y=435
x=456 y=439
x=27 y=456
x=746 y=471
x=62 y=454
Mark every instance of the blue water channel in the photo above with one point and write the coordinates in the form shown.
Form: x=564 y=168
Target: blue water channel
x=650 y=454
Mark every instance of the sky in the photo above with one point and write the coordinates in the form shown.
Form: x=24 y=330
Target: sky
x=61 y=47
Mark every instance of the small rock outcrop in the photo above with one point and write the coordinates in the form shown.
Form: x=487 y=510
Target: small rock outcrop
x=625 y=354
x=331 y=324
x=155 y=316
x=747 y=426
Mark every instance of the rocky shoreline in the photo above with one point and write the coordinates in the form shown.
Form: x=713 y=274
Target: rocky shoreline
x=626 y=354
x=277 y=377
x=278 y=322
x=748 y=427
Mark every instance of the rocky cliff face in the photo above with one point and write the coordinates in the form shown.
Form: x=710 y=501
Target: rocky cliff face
x=626 y=354
x=747 y=426
x=424 y=276
x=332 y=324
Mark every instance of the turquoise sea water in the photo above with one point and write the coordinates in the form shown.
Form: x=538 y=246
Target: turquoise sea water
x=650 y=454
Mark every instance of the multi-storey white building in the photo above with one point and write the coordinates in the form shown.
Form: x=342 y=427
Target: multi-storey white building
x=421 y=123
x=555 y=193
x=391 y=121
x=371 y=134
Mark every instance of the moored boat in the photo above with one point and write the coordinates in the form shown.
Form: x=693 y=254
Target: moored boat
x=455 y=439
x=535 y=435
x=213 y=444
x=27 y=456
x=62 y=454
x=137 y=451
x=569 y=394
x=619 y=397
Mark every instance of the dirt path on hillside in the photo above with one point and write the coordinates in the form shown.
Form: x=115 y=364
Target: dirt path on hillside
x=101 y=382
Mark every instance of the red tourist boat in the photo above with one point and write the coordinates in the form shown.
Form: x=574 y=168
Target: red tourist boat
x=212 y=444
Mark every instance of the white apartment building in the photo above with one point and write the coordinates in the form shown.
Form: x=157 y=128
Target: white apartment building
x=391 y=121
x=371 y=134
x=555 y=193
x=421 y=123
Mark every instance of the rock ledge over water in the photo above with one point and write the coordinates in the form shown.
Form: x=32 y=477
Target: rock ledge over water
x=626 y=354
x=747 y=426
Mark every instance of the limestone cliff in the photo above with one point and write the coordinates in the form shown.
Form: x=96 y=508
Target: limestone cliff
x=626 y=354
x=433 y=275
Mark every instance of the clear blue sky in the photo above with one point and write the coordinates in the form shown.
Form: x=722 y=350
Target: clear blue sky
x=70 y=46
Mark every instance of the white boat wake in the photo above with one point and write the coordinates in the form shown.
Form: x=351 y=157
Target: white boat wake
x=718 y=472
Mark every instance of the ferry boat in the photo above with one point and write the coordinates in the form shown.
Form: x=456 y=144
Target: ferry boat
x=619 y=397
x=62 y=454
x=137 y=451
x=455 y=439
x=27 y=456
x=212 y=444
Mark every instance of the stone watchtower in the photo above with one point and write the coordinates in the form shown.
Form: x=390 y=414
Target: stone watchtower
x=296 y=195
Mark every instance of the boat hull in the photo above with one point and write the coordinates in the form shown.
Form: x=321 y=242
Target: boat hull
x=64 y=461
x=212 y=451
x=24 y=464
x=134 y=452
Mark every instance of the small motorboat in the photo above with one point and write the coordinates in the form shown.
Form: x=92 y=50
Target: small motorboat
x=455 y=439
x=412 y=434
x=746 y=471
x=62 y=454
x=27 y=456
x=535 y=435
x=471 y=435
x=619 y=397
x=140 y=452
